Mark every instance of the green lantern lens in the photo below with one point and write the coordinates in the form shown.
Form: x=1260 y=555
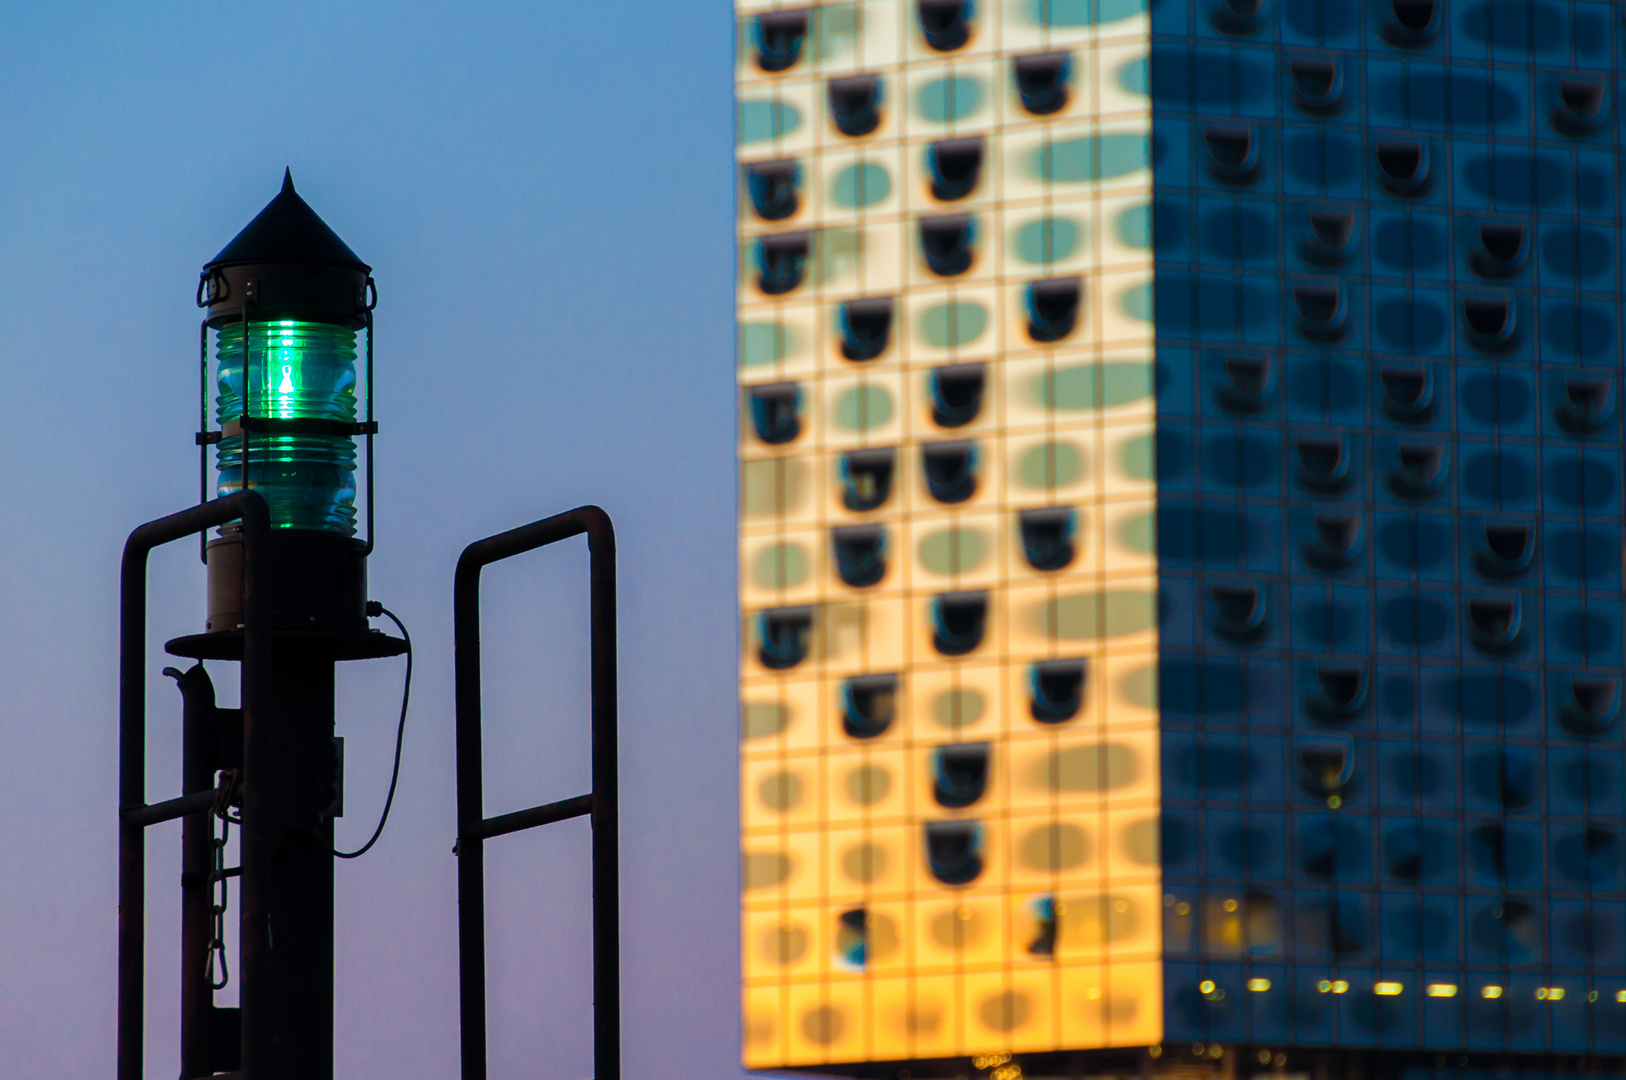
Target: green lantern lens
x=301 y=370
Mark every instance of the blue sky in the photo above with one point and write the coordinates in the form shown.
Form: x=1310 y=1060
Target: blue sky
x=545 y=193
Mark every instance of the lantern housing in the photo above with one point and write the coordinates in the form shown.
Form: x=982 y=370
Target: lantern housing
x=285 y=303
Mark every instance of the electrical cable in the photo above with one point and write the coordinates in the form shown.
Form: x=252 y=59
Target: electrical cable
x=400 y=730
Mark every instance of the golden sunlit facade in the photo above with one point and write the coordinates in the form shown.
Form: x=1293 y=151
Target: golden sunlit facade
x=948 y=580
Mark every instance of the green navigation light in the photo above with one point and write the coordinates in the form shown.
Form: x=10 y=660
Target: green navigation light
x=300 y=371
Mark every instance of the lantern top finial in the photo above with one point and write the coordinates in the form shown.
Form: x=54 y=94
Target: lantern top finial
x=287 y=231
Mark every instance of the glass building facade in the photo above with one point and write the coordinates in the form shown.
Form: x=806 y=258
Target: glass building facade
x=1180 y=536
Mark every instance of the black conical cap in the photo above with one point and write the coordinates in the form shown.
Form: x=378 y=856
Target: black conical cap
x=287 y=230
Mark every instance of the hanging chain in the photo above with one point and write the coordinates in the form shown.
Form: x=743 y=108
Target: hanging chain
x=219 y=975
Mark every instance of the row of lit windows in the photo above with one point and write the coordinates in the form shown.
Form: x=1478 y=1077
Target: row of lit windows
x=1490 y=991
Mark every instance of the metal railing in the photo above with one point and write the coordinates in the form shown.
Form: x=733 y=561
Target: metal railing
x=135 y=814
x=474 y=828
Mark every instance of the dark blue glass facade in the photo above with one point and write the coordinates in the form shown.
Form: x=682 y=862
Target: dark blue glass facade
x=1388 y=304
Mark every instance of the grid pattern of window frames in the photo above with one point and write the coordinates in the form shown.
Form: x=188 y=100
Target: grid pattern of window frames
x=950 y=772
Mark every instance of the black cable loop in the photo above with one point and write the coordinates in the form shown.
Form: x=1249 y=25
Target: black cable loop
x=400 y=730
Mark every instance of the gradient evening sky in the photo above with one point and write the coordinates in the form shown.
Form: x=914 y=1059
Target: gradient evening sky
x=545 y=193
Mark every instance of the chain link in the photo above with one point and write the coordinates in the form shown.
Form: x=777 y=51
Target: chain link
x=219 y=975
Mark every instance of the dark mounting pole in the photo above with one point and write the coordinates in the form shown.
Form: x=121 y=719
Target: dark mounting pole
x=473 y=827
x=135 y=815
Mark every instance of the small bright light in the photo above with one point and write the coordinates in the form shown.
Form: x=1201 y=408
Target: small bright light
x=1339 y=986
x=1550 y=993
x=1258 y=986
x=1491 y=992
x=1620 y=995
x=1334 y=802
x=1324 y=986
x=1230 y=905
x=1387 y=989
x=1206 y=986
x=1442 y=990
x=1182 y=908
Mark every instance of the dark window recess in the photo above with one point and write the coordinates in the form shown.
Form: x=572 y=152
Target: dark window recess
x=1238 y=16
x=1412 y=22
x=1589 y=856
x=1507 y=776
x=1250 y=382
x=946 y=24
x=948 y=243
x=1489 y=845
x=1232 y=154
x=1507 y=549
x=1501 y=250
x=860 y=553
x=1412 y=850
x=1324 y=767
x=868 y=704
x=1322 y=312
x=1323 y=462
x=1490 y=322
x=1053 y=308
x=1237 y=611
x=950 y=469
x=958 y=621
x=1508 y=928
x=956 y=393
x=1591 y=704
x=774 y=187
x=866 y=327
x=1325 y=846
x=779 y=38
x=1047 y=536
x=1318 y=85
x=959 y=774
x=1421 y=472
x=782 y=261
x=1408 y=392
x=1340 y=691
x=1338 y=541
x=1403 y=167
x=955 y=166
x=1493 y=622
x=1588 y=405
x=1044 y=937
x=1041 y=81
x=1056 y=690
x=954 y=851
x=1583 y=106
x=866 y=477
x=776 y=412
x=1329 y=242
x=855 y=104
x=784 y=633
x=852 y=937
